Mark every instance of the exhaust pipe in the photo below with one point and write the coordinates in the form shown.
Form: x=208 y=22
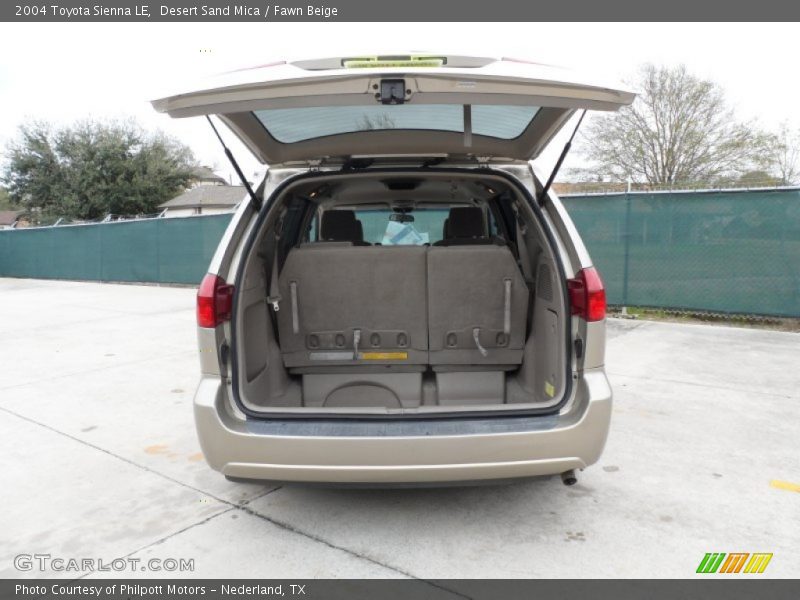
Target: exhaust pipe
x=569 y=477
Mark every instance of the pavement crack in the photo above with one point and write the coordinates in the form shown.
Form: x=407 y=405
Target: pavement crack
x=243 y=506
x=117 y=456
x=169 y=536
x=254 y=498
x=315 y=538
x=292 y=529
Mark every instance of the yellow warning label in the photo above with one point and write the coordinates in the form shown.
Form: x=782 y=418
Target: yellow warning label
x=549 y=389
x=383 y=355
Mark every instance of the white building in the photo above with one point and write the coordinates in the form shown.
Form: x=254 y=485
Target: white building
x=9 y=218
x=205 y=176
x=205 y=200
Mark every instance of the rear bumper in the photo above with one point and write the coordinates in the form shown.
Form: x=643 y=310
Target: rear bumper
x=405 y=451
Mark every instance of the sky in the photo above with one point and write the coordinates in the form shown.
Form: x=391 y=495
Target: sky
x=62 y=72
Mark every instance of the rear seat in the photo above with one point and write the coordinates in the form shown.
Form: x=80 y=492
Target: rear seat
x=346 y=307
x=464 y=226
x=342 y=226
x=477 y=298
x=339 y=300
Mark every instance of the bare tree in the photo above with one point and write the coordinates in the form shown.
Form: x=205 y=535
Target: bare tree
x=679 y=129
x=380 y=121
x=785 y=154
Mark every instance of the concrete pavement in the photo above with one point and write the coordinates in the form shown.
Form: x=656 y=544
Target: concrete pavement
x=100 y=460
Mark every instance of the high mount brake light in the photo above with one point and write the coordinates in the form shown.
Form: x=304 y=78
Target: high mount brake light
x=390 y=62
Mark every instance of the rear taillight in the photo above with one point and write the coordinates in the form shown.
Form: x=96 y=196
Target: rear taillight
x=214 y=301
x=587 y=295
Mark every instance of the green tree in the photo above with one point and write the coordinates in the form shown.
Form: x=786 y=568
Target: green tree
x=93 y=168
x=680 y=129
x=757 y=178
x=5 y=200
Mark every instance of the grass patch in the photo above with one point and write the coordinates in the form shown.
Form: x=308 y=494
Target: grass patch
x=692 y=316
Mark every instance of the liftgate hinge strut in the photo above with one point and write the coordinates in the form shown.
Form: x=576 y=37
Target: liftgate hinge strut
x=564 y=152
x=256 y=200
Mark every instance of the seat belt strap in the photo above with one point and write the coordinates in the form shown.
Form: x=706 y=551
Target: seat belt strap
x=274 y=297
x=525 y=263
x=522 y=248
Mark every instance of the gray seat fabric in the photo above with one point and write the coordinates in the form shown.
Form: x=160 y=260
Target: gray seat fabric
x=457 y=307
x=333 y=293
x=475 y=287
x=464 y=225
x=341 y=226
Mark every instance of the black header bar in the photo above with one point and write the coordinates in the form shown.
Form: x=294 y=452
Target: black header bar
x=391 y=589
x=398 y=11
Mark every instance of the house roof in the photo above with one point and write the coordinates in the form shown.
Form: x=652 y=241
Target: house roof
x=206 y=174
x=207 y=196
x=9 y=217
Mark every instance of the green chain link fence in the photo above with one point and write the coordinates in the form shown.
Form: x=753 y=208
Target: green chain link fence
x=149 y=250
x=721 y=251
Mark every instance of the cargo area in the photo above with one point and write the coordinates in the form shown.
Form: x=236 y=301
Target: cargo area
x=419 y=291
x=662 y=373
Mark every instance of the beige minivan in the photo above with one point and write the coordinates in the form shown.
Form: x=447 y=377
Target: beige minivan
x=402 y=298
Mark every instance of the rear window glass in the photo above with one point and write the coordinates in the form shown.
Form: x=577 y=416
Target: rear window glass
x=381 y=227
x=289 y=125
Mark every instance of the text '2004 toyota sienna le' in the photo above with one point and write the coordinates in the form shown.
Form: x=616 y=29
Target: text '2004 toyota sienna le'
x=402 y=298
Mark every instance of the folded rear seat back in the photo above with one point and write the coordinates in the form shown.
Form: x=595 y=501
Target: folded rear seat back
x=353 y=306
x=477 y=307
